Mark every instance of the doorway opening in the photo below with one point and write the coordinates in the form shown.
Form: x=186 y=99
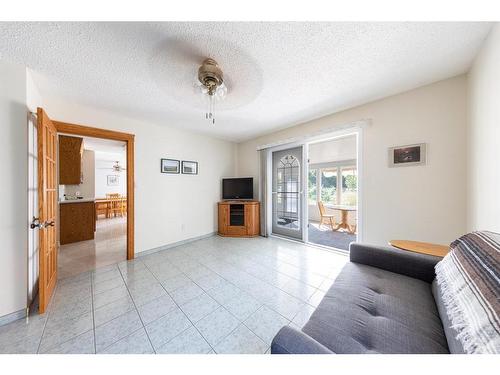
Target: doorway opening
x=332 y=192
x=314 y=190
x=92 y=214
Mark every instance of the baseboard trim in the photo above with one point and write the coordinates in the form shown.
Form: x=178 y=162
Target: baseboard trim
x=12 y=317
x=174 y=244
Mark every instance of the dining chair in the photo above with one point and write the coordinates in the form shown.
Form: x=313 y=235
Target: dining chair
x=123 y=205
x=101 y=208
x=329 y=218
x=116 y=206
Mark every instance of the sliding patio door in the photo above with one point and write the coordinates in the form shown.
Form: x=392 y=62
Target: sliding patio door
x=287 y=193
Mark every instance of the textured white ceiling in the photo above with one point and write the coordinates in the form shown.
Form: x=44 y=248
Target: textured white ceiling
x=278 y=74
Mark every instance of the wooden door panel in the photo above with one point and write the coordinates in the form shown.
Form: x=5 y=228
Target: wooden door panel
x=47 y=208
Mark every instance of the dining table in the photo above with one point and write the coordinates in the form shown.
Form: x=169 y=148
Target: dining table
x=344 y=213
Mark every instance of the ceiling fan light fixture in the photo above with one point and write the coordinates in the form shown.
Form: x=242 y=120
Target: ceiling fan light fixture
x=117 y=167
x=211 y=78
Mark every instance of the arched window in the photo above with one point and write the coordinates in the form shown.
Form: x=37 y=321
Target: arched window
x=289 y=161
x=288 y=189
x=288 y=174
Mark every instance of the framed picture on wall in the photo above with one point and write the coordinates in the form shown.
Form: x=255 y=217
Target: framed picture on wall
x=407 y=155
x=170 y=166
x=113 y=180
x=189 y=167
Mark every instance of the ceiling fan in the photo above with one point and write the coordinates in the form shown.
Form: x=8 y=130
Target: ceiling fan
x=116 y=167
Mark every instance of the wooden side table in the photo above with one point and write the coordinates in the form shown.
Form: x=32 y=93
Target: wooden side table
x=421 y=247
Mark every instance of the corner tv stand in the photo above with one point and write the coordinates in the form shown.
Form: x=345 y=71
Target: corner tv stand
x=239 y=218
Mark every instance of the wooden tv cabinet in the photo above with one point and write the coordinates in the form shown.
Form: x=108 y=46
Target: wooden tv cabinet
x=239 y=218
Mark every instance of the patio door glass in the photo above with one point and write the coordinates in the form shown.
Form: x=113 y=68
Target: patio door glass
x=287 y=191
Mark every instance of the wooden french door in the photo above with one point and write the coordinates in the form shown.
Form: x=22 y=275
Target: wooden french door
x=47 y=207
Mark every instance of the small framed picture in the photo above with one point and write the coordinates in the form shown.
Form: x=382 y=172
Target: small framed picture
x=407 y=155
x=113 y=180
x=170 y=166
x=189 y=167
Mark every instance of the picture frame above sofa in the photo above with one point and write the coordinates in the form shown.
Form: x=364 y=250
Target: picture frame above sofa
x=409 y=155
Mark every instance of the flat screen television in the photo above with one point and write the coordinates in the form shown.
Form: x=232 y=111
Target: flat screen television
x=237 y=188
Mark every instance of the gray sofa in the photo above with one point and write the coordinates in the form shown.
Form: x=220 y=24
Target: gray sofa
x=385 y=300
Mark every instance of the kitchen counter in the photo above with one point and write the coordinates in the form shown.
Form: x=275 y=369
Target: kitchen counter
x=84 y=200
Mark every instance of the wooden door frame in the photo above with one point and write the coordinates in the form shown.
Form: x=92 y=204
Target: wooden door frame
x=87 y=131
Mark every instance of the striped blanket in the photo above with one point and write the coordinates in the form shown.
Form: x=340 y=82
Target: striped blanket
x=469 y=277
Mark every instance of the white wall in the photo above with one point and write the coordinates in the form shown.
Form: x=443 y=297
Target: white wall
x=484 y=137
x=103 y=168
x=87 y=187
x=426 y=203
x=13 y=189
x=168 y=208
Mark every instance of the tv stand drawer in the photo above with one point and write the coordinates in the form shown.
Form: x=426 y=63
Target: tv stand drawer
x=236 y=230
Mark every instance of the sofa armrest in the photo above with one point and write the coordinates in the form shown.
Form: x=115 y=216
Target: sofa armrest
x=416 y=265
x=290 y=341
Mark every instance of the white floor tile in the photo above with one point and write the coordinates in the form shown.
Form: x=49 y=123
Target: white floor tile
x=199 y=307
x=265 y=323
x=266 y=283
x=167 y=327
x=241 y=340
x=217 y=325
x=188 y=342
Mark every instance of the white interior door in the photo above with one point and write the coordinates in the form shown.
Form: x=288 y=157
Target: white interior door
x=287 y=192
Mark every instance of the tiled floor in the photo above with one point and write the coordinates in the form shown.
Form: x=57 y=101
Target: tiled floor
x=108 y=247
x=323 y=235
x=216 y=295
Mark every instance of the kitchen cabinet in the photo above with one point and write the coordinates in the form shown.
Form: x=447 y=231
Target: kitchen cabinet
x=77 y=221
x=70 y=160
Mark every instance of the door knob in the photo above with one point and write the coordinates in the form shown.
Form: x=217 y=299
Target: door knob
x=35 y=223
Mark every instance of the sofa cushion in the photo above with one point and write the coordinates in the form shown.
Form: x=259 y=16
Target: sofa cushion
x=370 y=310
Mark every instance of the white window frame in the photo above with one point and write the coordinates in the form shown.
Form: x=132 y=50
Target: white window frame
x=355 y=128
x=326 y=166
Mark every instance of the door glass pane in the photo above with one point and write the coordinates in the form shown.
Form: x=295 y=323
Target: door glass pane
x=288 y=190
x=349 y=186
x=329 y=186
x=312 y=185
